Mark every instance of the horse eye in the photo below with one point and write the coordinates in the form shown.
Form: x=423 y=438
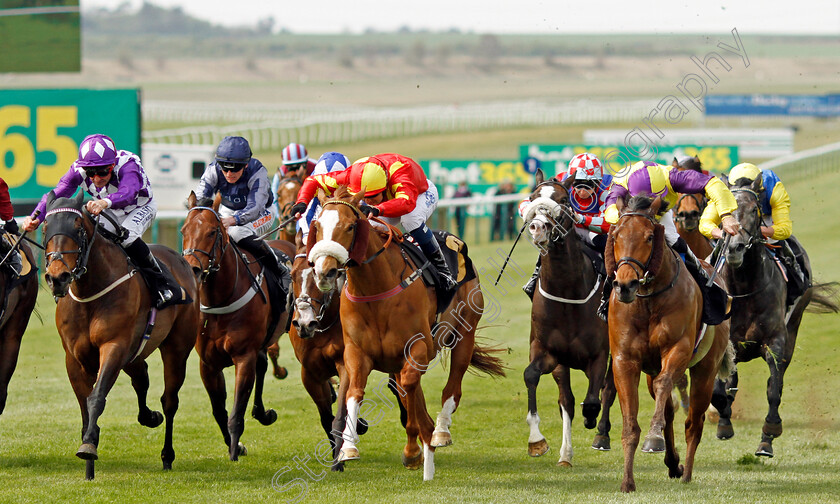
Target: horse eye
x=650 y=238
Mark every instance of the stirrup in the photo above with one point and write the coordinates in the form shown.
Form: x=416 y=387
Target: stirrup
x=603 y=310
x=530 y=287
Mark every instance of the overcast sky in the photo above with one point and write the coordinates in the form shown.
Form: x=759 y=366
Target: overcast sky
x=519 y=16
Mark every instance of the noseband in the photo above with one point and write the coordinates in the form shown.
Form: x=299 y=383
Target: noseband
x=213 y=263
x=755 y=238
x=558 y=232
x=79 y=237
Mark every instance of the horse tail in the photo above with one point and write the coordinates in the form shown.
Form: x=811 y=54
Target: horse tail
x=483 y=360
x=727 y=364
x=824 y=298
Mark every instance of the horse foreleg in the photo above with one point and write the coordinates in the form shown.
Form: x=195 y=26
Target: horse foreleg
x=174 y=373
x=703 y=377
x=673 y=364
x=460 y=356
x=112 y=357
x=319 y=391
x=777 y=361
x=419 y=421
x=246 y=368
x=602 y=439
x=263 y=416
x=214 y=384
x=82 y=383
x=626 y=373
x=541 y=362
x=9 y=350
x=358 y=368
x=340 y=419
x=566 y=401
x=672 y=457
x=596 y=372
x=139 y=373
x=279 y=371
x=722 y=398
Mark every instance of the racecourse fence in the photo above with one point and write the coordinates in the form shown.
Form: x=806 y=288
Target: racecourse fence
x=825 y=159
x=272 y=126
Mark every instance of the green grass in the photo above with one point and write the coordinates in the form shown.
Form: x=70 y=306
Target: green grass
x=39 y=43
x=488 y=461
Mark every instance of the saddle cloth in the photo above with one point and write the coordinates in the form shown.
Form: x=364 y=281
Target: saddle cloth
x=457 y=257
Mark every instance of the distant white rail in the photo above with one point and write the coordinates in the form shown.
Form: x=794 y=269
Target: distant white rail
x=807 y=163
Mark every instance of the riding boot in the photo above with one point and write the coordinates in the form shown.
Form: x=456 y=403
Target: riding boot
x=263 y=253
x=797 y=285
x=431 y=248
x=604 y=307
x=531 y=286
x=715 y=298
x=164 y=288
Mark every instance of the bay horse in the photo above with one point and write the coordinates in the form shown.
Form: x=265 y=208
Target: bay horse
x=688 y=210
x=19 y=294
x=387 y=318
x=237 y=321
x=104 y=321
x=566 y=332
x=287 y=193
x=761 y=324
x=655 y=327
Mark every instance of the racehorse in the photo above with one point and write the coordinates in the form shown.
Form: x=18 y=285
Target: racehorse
x=761 y=326
x=237 y=319
x=386 y=319
x=19 y=293
x=105 y=321
x=287 y=193
x=655 y=327
x=566 y=333
x=687 y=214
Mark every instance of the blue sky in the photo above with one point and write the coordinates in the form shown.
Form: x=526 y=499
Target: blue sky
x=521 y=16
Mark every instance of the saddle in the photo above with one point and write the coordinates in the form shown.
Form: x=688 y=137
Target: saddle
x=26 y=267
x=457 y=258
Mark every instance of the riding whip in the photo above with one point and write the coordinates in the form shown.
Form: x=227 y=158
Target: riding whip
x=279 y=227
x=17 y=243
x=510 y=253
x=720 y=260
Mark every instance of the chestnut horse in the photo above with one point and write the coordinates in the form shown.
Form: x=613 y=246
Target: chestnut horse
x=655 y=327
x=386 y=318
x=237 y=323
x=566 y=333
x=761 y=326
x=104 y=321
x=19 y=294
x=287 y=193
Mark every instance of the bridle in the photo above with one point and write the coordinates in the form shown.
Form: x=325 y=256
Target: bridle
x=699 y=201
x=558 y=231
x=79 y=237
x=756 y=238
x=642 y=271
x=353 y=242
x=213 y=261
x=304 y=301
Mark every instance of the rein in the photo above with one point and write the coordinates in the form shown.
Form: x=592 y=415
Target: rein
x=305 y=301
x=80 y=239
x=644 y=273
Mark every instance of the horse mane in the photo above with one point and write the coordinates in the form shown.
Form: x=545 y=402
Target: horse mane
x=343 y=192
x=742 y=182
x=642 y=202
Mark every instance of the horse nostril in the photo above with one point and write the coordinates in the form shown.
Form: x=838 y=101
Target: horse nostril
x=633 y=285
x=296 y=324
x=332 y=273
x=196 y=270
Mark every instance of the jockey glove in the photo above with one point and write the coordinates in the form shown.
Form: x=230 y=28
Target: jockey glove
x=299 y=208
x=370 y=210
x=11 y=226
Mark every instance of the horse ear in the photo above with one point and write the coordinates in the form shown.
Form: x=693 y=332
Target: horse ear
x=358 y=197
x=50 y=199
x=191 y=199
x=619 y=204
x=540 y=176
x=321 y=195
x=567 y=183
x=80 y=197
x=725 y=179
x=216 y=202
x=675 y=163
x=756 y=184
x=655 y=206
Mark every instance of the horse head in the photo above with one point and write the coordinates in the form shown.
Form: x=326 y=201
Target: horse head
x=549 y=215
x=66 y=231
x=688 y=210
x=204 y=237
x=338 y=236
x=748 y=215
x=315 y=311
x=287 y=194
x=638 y=241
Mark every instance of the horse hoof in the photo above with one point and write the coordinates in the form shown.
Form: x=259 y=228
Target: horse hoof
x=351 y=453
x=412 y=463
x=538 y=448
x=590 y=423
x=441 y=439
x=725 y=432
x=361 y=426
x=281 y=373
x=267 y=418
x=601 y=443
x=765 y=449
x=87 y=452
x=653 y=444
x=590 y=414
x=240 y=451
x=773 y=430
x=676 y=473
x=564 y=463
x=167 y=465
x=153 y=419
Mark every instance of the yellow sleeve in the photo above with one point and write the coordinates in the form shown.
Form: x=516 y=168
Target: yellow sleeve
x=611 y=214
x=780 y=205
x=709 y=221
x=720 y=197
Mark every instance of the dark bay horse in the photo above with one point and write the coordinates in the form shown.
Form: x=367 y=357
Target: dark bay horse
x=237 y=322
x=19 y=294
x=566 y=333
x=287 y=193
x=655 y=327
x=104 y=320
x=386 y=318
x=761 y=325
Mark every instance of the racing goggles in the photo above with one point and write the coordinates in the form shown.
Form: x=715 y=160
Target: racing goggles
x=231 y=167
x=101 y=171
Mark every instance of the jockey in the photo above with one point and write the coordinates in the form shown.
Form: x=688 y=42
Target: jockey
x=651 y=179
x=295 y=157
x=330 y=162
x=116 y=180
x=395 y=188
x=588 y=200
x=776 y=227
x=7 y=215
x=246 y=210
